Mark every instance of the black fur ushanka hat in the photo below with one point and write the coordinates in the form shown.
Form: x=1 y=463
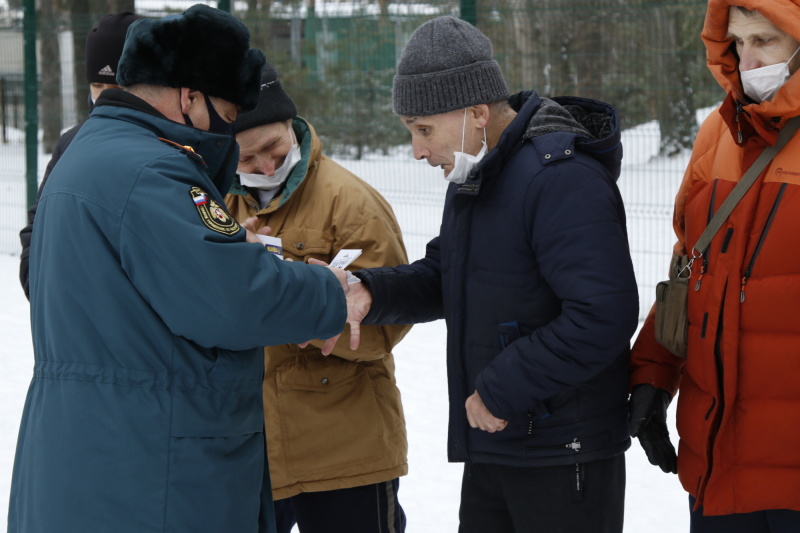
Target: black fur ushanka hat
x=203 y=49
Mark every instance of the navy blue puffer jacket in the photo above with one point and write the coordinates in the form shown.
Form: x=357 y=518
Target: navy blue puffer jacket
x=532 y=272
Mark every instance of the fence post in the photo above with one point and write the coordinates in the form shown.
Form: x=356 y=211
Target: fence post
x=3 y=107
x=224 y=5
x=31 y=101
x=469 y=13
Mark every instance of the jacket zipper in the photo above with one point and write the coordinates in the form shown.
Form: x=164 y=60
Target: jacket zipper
x=717 y=420
x=761 y=238
x=739 y=136
x=704 y=265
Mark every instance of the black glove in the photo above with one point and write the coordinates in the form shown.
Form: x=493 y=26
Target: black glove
x=647 y=411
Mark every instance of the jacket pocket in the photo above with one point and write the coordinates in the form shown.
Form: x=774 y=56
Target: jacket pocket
x=214 y=483
x=216 y=459
x=301 y=243
x=329 y=416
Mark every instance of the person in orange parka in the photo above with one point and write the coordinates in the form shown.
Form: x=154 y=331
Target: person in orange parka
x=738 y=412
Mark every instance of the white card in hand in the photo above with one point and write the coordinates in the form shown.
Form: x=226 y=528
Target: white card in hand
x=344 y=258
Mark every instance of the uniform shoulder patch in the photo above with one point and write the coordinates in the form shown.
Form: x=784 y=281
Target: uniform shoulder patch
x=214 y=216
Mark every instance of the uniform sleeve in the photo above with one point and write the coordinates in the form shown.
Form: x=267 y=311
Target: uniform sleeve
x=578 y=237
x=191 y=263
x=374 y=231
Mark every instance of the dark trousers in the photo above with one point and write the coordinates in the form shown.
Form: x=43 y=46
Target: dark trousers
x=367 y=509
x=588 y=498
x=769 y=521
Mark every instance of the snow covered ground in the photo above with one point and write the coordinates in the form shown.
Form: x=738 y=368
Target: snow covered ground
x=655 y=502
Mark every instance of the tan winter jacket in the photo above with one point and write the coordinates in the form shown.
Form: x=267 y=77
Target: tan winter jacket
x=332 y=422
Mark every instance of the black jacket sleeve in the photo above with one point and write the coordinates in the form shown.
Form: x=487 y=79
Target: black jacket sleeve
x=407 y=294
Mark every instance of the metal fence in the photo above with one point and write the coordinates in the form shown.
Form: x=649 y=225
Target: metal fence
x=337 y=61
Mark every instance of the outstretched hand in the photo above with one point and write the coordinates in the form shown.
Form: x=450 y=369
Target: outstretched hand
x=359 y=301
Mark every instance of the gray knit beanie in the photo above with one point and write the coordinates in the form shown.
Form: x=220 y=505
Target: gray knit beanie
x=446 y=65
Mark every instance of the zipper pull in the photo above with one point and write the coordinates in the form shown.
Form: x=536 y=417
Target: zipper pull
x=575 y=445
x=741 y=292
x=530 y=423
x=700 y=277
x=739 y=135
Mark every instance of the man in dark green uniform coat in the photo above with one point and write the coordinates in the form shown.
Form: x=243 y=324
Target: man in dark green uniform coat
x=150 y=308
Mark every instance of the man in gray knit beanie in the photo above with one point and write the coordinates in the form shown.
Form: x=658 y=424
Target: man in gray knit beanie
x=446 y=65
x=532 y=272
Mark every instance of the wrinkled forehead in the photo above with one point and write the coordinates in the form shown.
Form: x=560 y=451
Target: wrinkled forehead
x=751 y=24
x=441 y=118
x=264 y=137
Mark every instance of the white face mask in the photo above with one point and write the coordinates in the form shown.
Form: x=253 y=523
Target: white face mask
x=463 y=163
x=264 y=182
x=762 y=83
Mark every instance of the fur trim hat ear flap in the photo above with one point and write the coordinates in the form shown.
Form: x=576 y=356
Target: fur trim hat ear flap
x=203 y=49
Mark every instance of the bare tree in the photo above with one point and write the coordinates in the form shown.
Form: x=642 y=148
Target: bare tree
x=672 y=91
x=80 y=24
x=257 y=19
x=51 y=109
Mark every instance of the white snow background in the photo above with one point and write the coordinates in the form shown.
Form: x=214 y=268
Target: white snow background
x=655 y=501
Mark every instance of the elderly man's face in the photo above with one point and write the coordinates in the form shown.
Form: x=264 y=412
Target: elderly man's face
x=436 y=138
x=759 y=42
x=264 y=148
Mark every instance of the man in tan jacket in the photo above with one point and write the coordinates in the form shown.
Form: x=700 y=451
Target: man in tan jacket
x=336 y=437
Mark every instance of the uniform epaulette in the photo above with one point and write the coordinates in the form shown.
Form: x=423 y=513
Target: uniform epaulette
x=188 y=150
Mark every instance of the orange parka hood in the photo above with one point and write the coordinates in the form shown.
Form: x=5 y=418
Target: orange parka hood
x=724 y=62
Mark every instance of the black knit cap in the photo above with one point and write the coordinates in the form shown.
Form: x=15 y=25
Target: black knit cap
x=203 y=48
x=447 y=65
x=104 y=47
x=274 y=105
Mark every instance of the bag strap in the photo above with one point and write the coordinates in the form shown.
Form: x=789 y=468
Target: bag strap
x=742 y=187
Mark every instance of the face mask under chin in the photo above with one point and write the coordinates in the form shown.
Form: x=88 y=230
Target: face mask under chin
x=281 y=174
x=463 y=163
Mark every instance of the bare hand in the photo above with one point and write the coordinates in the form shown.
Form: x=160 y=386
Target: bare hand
x=479 y=416
x=250 y=227
x=359 y=302
x=341 y=275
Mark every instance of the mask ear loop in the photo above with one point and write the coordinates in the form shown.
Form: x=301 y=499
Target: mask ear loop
x=463 y=129
x=794 y=54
